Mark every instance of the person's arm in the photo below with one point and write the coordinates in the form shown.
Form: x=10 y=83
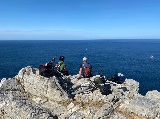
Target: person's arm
x=80 y=71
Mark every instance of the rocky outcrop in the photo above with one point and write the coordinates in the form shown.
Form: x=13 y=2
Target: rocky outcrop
x=15 y=103
x=31 y=96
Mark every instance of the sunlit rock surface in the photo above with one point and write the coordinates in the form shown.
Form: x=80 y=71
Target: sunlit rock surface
x=31 y=96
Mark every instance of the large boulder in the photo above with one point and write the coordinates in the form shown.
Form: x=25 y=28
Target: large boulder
x=38 y=86
x=142 y=107
x=29 y=95
x=14 y=103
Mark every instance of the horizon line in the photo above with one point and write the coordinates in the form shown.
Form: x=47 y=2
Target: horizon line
x=87 y=39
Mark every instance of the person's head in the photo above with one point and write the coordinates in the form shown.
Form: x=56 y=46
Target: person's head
x=84 y=59
x=61 y=58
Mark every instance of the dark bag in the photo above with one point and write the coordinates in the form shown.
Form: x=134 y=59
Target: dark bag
x=119 y=78
x=65 y=72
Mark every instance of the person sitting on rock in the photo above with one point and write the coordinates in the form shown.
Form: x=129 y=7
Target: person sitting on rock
x=61 y=66
x=85 y=69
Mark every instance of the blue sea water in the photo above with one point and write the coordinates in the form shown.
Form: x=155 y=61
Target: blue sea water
x=130 y=57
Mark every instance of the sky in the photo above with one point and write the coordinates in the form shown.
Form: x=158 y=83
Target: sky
x=79 y=19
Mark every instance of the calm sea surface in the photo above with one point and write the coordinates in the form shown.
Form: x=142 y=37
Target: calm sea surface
x=132 y=58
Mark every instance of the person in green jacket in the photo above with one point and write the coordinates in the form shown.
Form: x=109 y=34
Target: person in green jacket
x=62 y=66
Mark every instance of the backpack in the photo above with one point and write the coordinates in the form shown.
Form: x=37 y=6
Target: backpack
x=86 y=70
x=61 y=67
x=119 y=78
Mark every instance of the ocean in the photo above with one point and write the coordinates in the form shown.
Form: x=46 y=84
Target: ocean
x=130 y=57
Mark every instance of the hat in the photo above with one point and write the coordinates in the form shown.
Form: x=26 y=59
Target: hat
x=61 y=58
x=84 y=59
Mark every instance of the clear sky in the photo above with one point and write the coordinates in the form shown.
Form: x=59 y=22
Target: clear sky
x=79 y=19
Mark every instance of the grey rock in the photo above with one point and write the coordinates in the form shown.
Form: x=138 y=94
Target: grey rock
x=11 y=107
x=153 y=94
x=143 y=106
x=31 y=96
x=76 y=115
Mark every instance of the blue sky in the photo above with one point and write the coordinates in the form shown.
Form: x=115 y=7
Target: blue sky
x=79 y=19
